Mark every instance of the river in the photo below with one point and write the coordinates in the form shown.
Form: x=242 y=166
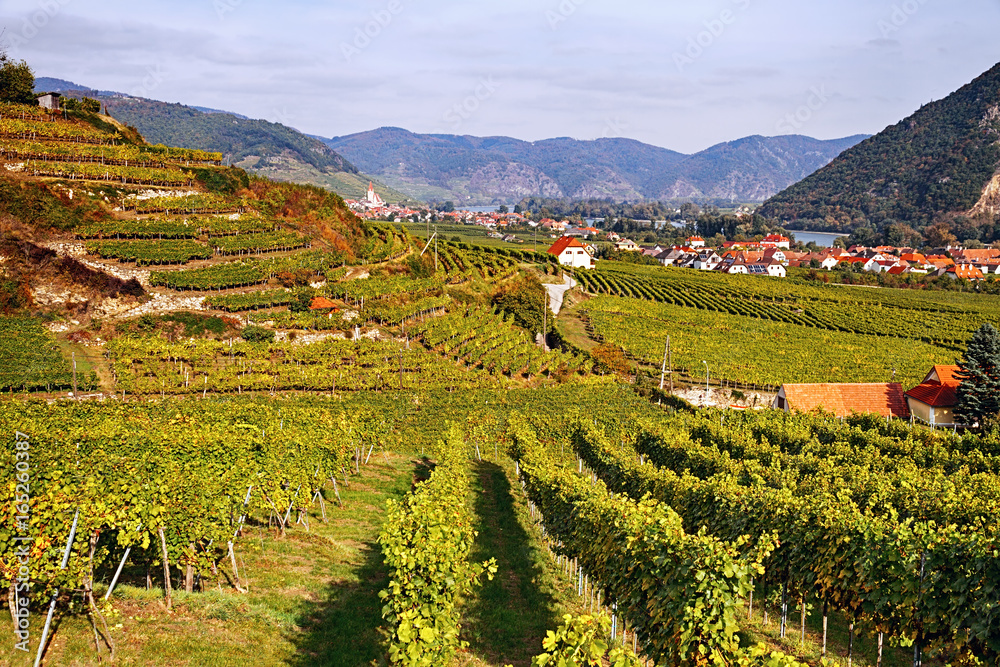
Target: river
x=822 y=239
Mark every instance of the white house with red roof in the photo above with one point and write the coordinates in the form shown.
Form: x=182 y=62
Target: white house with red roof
x=571 y=252
x=695 y=242
x=776 y=241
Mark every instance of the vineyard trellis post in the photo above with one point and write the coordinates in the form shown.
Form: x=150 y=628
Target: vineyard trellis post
x=55 y=595
x=663 y=371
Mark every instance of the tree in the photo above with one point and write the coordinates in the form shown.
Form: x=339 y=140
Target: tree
x=503 y=209
x=17 y=81
x=940 y=236
x=525 y=300
x=302 y=300
x=979 y=372
x=690 y=211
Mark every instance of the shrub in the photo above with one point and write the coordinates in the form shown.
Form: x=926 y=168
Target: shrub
x=255 y=334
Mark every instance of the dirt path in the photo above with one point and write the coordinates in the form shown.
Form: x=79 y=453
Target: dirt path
x=557 y=292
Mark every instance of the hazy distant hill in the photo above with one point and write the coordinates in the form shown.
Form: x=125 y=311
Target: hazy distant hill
x=261 y=147
x=486 y=169
x=938 y=165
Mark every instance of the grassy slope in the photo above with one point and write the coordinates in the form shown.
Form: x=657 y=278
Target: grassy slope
x=313 y=596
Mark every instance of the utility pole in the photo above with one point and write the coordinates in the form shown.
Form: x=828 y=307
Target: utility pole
x=663 y=371
x=435 y=249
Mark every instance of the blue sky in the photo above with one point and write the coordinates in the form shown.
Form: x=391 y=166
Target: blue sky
x=679 y=75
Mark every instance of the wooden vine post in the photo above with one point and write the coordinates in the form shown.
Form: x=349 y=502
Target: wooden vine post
x=166 y=571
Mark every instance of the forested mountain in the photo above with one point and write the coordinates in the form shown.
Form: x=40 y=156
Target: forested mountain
x=934 y=172
x=179 y=125
x=502 y=169
x=268 y=149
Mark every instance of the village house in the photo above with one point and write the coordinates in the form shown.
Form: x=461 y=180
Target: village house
x=976 y=256
x=990 y=268
x=963 y=271
x=582 y=232
x=734 y=265
x=571 y=252
x=774 y=255
x=670 y=256
x=695 y=242
x=885 y=265
x=843 y=400
x=321 y=304
x=933 y=401
x=49 y=101
x=652 y=251
x=776 y=270
x=940 y=261
x=707 y=261
x=627 y=245
x=554 y=225
x=776 y=241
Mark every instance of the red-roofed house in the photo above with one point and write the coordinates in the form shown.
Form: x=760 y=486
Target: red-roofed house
x=934 y=399
x=696 y=242
x=940 y=261
x=322 y=304
x=964 y=271
x=977 y=255
x=844 y=399
x=776 y=241
x=572 y=253
x=554 y=225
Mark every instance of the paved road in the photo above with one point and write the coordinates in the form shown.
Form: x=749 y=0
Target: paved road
x=556 y=293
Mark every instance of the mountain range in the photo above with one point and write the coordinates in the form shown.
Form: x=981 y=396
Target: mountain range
x=475 y=170
x=483 y=170
x=937 y=172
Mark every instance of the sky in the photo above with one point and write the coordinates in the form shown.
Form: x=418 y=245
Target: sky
x=680 y=75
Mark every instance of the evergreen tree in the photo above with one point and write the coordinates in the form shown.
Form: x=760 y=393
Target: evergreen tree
x=979 y=372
